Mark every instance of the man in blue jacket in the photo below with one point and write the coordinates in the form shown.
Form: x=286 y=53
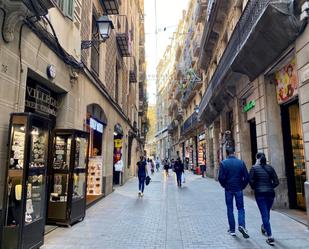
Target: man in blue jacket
x=234 y=177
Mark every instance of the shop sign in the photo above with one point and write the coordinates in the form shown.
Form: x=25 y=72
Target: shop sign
x=41 y=100
x=249 y=106
x=286 y=82
x=95 y=125
x=201 y=137
x=118 y=143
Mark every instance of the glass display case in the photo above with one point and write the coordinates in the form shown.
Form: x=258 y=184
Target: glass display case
x=25 y=198
x=68 y=177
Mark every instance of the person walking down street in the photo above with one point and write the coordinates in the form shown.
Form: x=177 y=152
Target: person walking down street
x=166 y=166
x=263 y=180
x=141 y=174
x=152 y=166
x=179 y=170
x=234 y=177
x=157 y=164
x=148 y=165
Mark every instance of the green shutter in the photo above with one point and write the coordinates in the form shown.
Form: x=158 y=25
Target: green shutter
x=69 y=10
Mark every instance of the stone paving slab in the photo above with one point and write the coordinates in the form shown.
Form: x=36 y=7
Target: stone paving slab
x=193 y=217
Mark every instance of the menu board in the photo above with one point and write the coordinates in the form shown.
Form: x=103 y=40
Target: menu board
x=18 y=148
x=95 y=166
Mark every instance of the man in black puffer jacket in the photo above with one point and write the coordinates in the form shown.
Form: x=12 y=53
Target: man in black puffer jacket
x=263 y=179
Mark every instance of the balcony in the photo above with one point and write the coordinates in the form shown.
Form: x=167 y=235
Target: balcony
x=18 y=10
x=190 y=124
x=133 y=70
x=197 y=45
x=123 y=36
x=187 y=97
x=178 y=114
x=172 y=128
x=110 y=7
x=141 y=108
x=178 y=93
x=215 y=19
x=200 y=11
x=265 y=29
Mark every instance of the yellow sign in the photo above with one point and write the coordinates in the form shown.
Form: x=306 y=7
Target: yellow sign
x=118 y=143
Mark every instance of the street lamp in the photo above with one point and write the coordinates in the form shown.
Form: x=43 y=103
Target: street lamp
x=105 y=26
x=197 y=109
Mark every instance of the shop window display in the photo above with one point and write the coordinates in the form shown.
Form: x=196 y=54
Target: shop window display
x=25 y=202
x=67 y=199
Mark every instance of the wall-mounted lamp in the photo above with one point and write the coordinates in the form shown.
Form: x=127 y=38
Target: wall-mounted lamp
x=105 y=26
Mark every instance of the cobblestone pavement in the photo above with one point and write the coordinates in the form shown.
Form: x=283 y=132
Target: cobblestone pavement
x=193 y=217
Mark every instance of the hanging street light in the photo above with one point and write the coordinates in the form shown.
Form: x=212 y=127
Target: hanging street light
x=105 y=26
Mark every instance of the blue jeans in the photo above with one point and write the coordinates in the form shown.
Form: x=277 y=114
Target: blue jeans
x=141 y=183
x=239 y=198
x=265 y=203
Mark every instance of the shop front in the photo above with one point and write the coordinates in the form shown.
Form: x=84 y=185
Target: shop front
x=46 y=174
x=95 y=123
x=287 y=96
x=202 y=152
x=118 y=166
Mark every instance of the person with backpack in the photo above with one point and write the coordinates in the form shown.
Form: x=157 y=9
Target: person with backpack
x=179 y=170
x=234 y=177
x=142 y=172
x=263 y=180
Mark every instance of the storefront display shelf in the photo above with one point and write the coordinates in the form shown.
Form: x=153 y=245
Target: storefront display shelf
x=69 y=166
x=25 y=198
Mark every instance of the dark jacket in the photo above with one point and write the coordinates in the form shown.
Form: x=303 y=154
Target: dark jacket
x=178 y=167
x=263 y=179
x=233 y=174
x=141 y=168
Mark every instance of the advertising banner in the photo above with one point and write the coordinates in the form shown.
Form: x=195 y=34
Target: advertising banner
x=287 y=82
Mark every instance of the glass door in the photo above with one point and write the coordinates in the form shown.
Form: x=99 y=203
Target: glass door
x=298 y=154
x=36 y=173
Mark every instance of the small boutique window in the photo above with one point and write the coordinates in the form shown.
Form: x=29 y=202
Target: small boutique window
x=66 y=6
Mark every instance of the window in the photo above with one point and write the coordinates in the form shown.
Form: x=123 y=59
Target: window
x=66 y=6
x=95 y=49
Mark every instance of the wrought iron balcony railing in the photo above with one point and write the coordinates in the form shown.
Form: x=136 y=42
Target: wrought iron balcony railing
x=190 y=124
x=111 y=7
x=249 y=18
x=133 y=70
x=123 y=36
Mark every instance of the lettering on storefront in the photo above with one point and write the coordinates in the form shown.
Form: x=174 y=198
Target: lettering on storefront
x=40 y=100
x=249 y=106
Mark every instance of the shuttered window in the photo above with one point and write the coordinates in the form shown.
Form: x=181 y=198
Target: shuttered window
x=66 y=6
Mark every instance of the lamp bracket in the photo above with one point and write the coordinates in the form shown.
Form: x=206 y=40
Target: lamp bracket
x=90 y=43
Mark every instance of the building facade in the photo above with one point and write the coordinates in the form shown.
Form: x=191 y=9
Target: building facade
x=253 y=58
x=55 y=65
x=247 y=88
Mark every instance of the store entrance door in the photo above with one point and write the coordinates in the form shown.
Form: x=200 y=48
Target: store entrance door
x=253 y=140
x=294 y=154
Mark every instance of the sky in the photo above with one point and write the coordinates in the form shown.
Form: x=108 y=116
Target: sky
x=169 y=12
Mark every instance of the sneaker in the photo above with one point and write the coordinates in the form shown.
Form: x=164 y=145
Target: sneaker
x=231 y=233
x=270 y=241
x=142 y=194
x=244 y=232
x=139 y=193
x=263 y=230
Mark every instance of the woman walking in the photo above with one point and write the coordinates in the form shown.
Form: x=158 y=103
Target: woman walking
x=179 y=170
x=141 y=173
x=263 y=180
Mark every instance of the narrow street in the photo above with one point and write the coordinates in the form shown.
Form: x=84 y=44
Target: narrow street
x=168 y=217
